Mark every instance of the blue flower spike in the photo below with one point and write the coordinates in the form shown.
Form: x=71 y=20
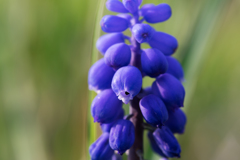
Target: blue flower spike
x=105 y=107
x=175 y=68
x=127 y=83
x=153 y=62
x=170 y=90
x=142 y=32
x=116 y=6
x=154 y=145
x=100 y=76
x=122 y=136
x=107 y=40
x=167 y=142
x=131 y=5
x=153 y=110
x=118 y=55
x=110 y=23
x=159 y=13
x=176 y=121
x=100 y=150
x=164 y=42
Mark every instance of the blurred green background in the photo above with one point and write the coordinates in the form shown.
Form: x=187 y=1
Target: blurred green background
x=47 y=47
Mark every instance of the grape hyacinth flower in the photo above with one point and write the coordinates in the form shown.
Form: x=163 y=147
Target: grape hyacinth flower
x=117 y=78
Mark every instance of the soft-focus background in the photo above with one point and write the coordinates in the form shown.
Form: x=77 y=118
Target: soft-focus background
x=47 y=47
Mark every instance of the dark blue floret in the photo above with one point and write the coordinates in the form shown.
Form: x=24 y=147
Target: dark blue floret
x=154 y=145
x=175 y=68
x=153 y=62
x=170 y=90
x=131 y=5
x=142 y=32
x=145 y=8
x=110 y=23
x=118 y=55
x=167 y=142
x=116 y=6
x=107 y=40
x=122 y=136
x=105 y=106
x=176 y=121
x=153 y=110
x=100 y=76
x=100 y=150
x=164 y=42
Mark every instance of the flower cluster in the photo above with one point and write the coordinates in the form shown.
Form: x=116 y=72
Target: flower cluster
x=117 y=78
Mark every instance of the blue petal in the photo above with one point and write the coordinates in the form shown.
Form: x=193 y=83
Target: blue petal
x=175 y=68
x=127 y=83
x=145 y=8
x=125 y=16
x=107 y=40
x=159 y=13
x=105 y=106
x=111 y=23
x=116 y=6
x=118 y=55
x=176 y=121
x=166 y=43
x=170 y=90
x=153 y=62
x=142 y=32
x=100 y=76
x=154 y=145
x=100 y=150
x=131 y=5
x=153 y=110
x=167 y=142
x=122 y=136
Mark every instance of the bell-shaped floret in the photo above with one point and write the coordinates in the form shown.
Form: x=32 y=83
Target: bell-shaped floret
x=125 y=16
x=107 y=40
x=166 y=43
x=131 y=5
x=170 y=90
x=153 y=110
x=116 y=157
x=146 y=8
x=122 y=136
x=116 y=6
x=105 y=106
x=176 y=121
x=153 y=62
x=175 y=68
x=154 y=145
x=118 y=55
x=167 y=142
x=127 y=83
x=100 y=150
x=110 y=23
x=100 y=76
x=159 y=13
x=142 y=32
x=106 y=127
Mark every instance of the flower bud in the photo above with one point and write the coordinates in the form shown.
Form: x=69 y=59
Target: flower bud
x=164 y=42
x=106 y=127
x=110 y=23
x=175 y=68
x=170 y=90
x=122 y=136
x=159 y=13
x=153 y=62
x=100 y=76
x=125 y=16
x=142 y=32
x=145 y=8
x=131 y=5
x=167 y=142
x=107 y=40
x=105 y=106
x=116 y=6
x=153 y=110
x=154 y=145
x=118 y=55
x=100 y=150
x=127 y=83
x=176 y=121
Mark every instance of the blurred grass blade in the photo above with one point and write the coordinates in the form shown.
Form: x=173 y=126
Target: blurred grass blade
x=92 y=127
